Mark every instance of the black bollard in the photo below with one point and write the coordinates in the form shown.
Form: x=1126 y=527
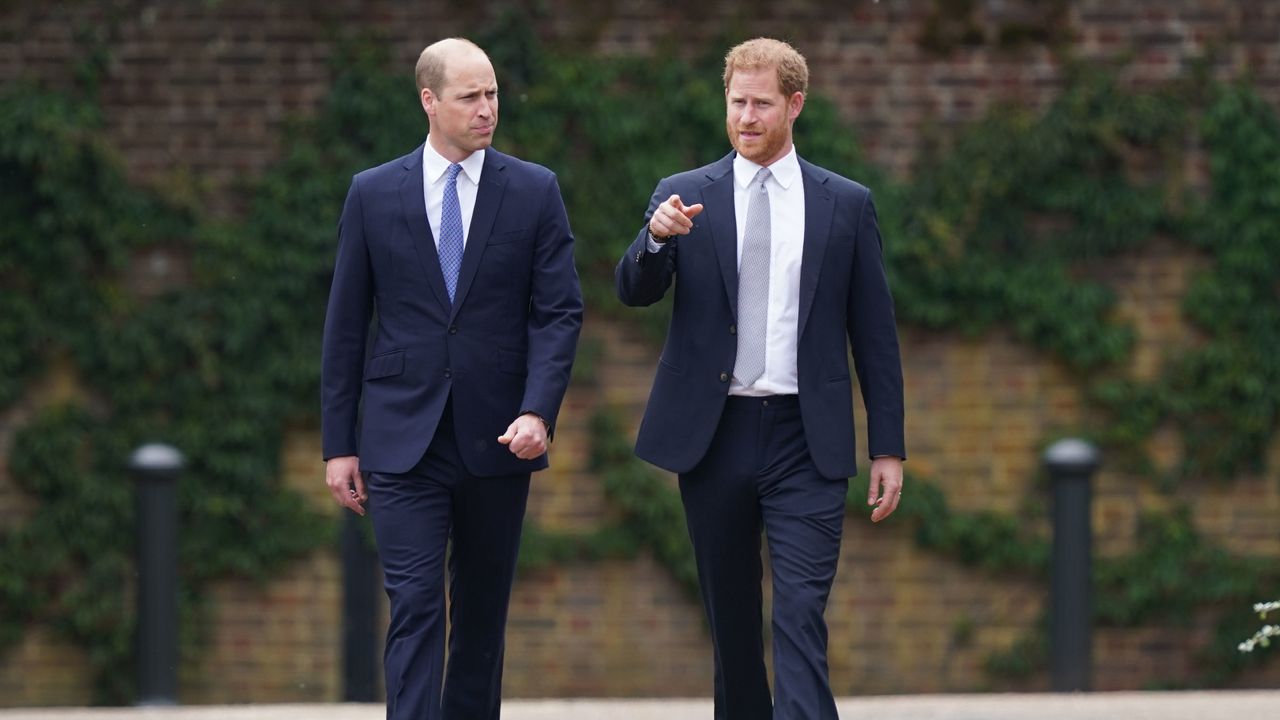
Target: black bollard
x=156 y=468
x=359 y=613
x=1071 y=465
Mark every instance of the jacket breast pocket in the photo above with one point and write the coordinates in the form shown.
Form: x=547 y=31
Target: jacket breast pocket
x=507 y=236
x=387 y=364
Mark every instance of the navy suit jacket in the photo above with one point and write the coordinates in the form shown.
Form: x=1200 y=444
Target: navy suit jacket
x=844 y=301
x=503 y=347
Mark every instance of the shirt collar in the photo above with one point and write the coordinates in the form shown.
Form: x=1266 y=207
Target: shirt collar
x=434 y=164
x=785 y=170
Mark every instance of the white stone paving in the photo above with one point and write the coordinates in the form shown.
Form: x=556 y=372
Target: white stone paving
x=1218 y=705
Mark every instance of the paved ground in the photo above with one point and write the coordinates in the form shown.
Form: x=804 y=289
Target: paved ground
x=1224 y=705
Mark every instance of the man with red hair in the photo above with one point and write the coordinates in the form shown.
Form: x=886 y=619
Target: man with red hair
x=777 y=264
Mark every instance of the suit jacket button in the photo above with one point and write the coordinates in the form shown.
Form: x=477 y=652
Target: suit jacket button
x=448 y=373
x=733 y=329
x=724 y=377
x=453 y=329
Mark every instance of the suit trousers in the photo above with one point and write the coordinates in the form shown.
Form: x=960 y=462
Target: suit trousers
x=416 y=516
x=757 y=474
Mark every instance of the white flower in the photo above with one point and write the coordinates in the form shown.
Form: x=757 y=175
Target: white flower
x=1263 y=608
x=1265 y=633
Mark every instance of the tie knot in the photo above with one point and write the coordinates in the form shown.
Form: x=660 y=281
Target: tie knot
x=761 y=176
x=453 y=171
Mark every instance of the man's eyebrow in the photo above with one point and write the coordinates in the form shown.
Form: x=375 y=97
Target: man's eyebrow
x=470 y=93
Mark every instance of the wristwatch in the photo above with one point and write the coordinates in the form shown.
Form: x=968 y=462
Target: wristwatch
x=545 y=424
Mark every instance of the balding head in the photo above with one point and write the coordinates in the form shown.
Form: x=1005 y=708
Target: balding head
x=434 y=61
x=459 y=94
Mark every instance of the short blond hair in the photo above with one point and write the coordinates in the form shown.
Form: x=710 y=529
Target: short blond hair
x=429 y=72
x=793 y=71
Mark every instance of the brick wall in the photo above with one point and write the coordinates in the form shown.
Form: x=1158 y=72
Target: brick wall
x=199 y=92
x=205 y=87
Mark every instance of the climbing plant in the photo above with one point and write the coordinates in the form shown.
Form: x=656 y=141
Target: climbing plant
x=1007 y=226
x=1000 y=226
x=215 y=367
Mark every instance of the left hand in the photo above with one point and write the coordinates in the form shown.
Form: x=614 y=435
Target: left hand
x=886 y=487
x=526 y=437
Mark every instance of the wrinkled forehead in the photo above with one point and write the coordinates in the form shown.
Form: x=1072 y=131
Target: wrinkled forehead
x=468 y=70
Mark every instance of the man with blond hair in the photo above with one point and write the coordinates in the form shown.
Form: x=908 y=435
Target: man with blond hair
x=777 y=264
x=467 y=256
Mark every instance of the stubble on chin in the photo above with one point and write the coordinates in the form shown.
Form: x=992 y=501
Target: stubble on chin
x=738 y=147
x=758 y=152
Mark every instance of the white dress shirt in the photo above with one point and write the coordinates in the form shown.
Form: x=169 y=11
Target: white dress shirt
x=434 y=167
x=786 y=206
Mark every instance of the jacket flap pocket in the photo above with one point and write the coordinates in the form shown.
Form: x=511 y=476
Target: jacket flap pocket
x=513 y=361
x=385 y=365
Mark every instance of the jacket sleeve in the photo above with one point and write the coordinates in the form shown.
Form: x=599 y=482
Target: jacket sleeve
x=873 y=335
x=642 y=277
x=555 y=310
x=346 y=327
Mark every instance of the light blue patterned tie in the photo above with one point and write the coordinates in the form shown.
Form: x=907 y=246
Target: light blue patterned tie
x=450 y=246
x=753 y=283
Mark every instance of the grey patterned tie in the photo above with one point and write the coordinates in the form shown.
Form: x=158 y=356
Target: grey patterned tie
x=753 y=282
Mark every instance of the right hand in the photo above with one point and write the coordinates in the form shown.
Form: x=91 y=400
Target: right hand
x=345 y=482
x=673 y=218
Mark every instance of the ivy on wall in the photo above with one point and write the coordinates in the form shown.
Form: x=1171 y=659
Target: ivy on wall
x=956 y=24
x=216 y=367
x=1005 y=228
x=999 y=228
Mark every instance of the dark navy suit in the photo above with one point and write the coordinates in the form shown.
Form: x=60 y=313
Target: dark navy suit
x=440 y=383
x=778 y=463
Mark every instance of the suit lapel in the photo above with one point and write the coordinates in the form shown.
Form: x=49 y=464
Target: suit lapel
x=413 y=204
x=493 y=181
x=717 y=197
x=818 y=208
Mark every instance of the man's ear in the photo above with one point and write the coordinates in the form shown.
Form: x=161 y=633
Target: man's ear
x=795 y=104
x=428 y=99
